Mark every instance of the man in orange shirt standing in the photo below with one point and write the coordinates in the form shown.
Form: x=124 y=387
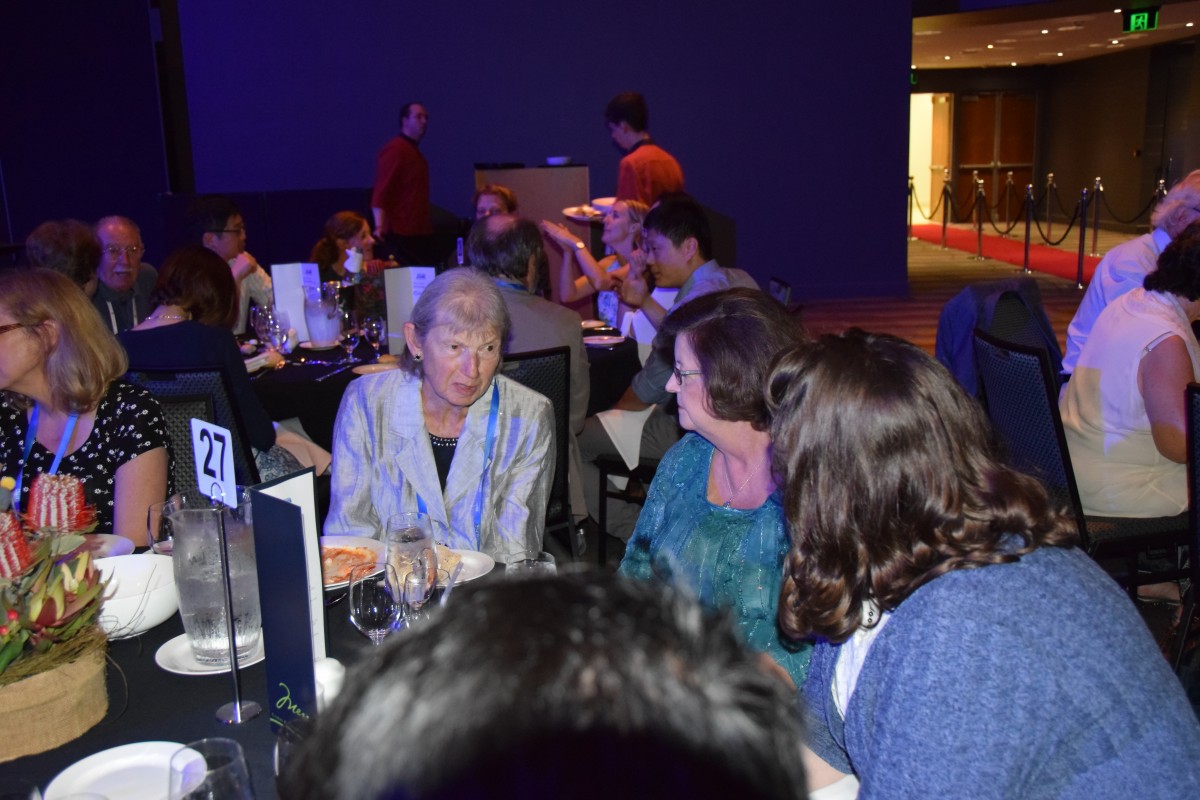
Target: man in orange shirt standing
x=647 y=171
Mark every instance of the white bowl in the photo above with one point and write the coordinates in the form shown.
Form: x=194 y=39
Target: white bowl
x=140 y=593
x=603 y=204
x=558 y=161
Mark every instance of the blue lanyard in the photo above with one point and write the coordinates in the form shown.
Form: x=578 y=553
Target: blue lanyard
x=520 y=287
x=30 y=435
x=489 y=446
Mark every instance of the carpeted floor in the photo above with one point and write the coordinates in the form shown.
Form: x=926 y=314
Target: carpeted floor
x=1042 y=258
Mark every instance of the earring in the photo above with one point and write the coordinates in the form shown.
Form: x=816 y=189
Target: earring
x=417 y=356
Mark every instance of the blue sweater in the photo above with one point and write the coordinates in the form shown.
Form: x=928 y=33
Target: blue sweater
x=1029 y=680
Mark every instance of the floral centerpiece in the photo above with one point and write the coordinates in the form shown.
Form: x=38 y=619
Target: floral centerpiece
x=51 y=651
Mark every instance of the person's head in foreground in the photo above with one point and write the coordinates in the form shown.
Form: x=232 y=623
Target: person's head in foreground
x=1178 y=271
x=509 y=248
x=1180 y=207
x=492 y=198
x=677 y=240
x=454 y=338
x=578 y=686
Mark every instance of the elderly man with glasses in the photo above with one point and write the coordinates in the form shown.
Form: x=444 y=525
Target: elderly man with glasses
x=123 y=294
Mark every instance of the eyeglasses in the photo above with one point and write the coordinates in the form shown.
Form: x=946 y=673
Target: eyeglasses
x=239 y=231
x=129 y=250
x=680 y=374
x=12 y=326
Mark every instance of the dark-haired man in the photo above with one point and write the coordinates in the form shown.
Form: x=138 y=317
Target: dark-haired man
x=216 y=222
x=678 y=247
x=400 y=199
x=647 y=171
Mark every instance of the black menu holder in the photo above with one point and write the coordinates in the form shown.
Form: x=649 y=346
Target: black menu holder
x=288 y=551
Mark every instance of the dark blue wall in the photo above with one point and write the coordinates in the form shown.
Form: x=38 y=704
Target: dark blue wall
x=792 y=122
x=797 y=131
x=80 y=130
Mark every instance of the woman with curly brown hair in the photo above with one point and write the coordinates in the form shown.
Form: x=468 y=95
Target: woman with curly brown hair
x=963 y=646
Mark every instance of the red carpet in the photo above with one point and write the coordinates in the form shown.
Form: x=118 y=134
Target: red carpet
x=1042 y=258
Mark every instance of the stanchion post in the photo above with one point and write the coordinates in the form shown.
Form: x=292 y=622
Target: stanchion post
x=1097 y=193
x=1029 y=212
x=947 y=197
x=1049 y=218
x=1083 y=209
x=911 y=190
x=1008 y=185
x=980 y=209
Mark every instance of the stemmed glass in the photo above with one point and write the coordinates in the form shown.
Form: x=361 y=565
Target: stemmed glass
x=374 y=606
x=350 y=334
x=210 y=768
x=375 y=329
x=419 y=586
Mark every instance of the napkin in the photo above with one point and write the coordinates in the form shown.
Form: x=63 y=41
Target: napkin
x=257 y=362
x=639 y=326
x=625 y=430
x=354 y=260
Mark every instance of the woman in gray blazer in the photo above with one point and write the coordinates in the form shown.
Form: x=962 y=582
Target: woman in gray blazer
x=446 y=434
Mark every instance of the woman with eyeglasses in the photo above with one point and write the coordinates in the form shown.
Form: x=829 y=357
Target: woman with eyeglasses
x=713 y=522
x=64 y=409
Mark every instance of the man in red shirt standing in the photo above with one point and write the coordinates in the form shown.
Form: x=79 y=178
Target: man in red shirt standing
x=400 y=199
x=647 y=171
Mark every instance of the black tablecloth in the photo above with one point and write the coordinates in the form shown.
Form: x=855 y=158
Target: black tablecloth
x=147 y=703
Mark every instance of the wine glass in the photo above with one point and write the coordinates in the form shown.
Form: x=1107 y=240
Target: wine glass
x=350 y=334
x=374 y=606
x=211 y=769
x=530 y=564
x=419 y=586
x=375 y=329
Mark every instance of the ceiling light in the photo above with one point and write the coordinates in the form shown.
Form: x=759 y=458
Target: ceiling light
x=1190 y=24
x=1014 y=63
x=1045 y=31
x=992 y=46
x=1059 y=55
x=946 y=57
x=1116 y=41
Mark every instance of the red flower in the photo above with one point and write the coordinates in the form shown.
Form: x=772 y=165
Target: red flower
x=57 y=505
x=14 y=549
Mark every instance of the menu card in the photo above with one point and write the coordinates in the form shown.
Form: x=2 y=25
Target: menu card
x=288 y=551
x=402 y=287
x=288 y=282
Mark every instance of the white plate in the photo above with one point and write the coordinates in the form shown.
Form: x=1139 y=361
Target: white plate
x=138 y=771
x=583 y=214
x=311 y=346
x=474 y=564
x=176 y=656
x=588 y=324
x=602 y=341
x=374 y=545
x=603 y=204
x=371 y=369
x=104 y=545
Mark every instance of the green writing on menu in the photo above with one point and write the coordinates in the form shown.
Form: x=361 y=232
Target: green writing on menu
x=285 y=702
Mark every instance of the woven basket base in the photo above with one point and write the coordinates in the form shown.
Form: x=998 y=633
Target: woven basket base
x=51 y=708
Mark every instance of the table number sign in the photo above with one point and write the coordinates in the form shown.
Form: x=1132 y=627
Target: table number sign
x=287 y=548
x=213 y=449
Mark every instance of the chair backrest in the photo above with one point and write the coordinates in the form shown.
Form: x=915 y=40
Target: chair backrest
x=1021 y=391
x=205 y=394
x=1193 y=466
x=548 y=372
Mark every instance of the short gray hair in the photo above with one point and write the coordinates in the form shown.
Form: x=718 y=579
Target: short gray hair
x=464 y=299
x=1185 y=194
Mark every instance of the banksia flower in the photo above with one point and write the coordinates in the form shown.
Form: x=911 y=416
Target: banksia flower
x=57 y=505
x=14 y=547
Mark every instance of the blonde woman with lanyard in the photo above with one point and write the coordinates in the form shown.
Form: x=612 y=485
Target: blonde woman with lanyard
x=445 y=434
x=62 y=408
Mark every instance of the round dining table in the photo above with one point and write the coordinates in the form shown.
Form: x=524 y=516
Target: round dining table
x=146 y=703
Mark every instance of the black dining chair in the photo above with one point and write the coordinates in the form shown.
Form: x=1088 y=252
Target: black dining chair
x=548 y=372
x=1021 y=391
x=615 y=466
x=1193 y=465
x=204 y=394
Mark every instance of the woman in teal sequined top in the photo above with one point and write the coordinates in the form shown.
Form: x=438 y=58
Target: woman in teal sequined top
x=713 y=523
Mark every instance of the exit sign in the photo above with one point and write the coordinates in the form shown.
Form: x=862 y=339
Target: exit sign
x=1140 y=19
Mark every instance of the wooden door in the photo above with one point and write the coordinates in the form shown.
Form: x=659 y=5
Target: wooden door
x=995 y=135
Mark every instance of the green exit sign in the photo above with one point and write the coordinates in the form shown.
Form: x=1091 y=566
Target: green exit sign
x=1140 y=19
